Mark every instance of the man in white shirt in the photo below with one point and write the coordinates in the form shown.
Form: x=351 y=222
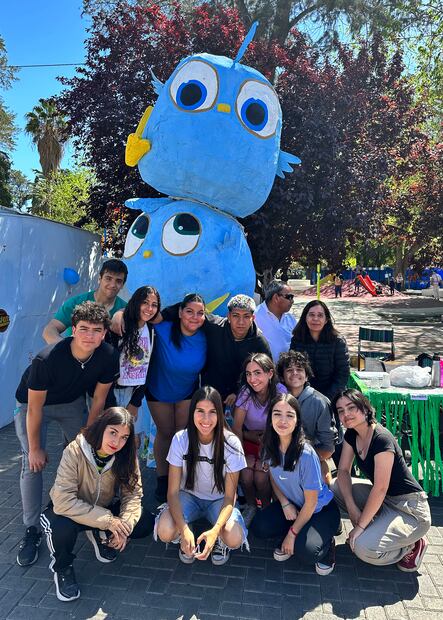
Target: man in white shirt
x=435 y=283
x=274 y=319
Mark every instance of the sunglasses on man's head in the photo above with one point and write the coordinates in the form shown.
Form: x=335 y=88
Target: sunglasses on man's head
x=288 y=296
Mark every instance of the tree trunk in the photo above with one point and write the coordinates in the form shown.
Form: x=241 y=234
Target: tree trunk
x=281 y=25
x=404 y=256
x=266 y=277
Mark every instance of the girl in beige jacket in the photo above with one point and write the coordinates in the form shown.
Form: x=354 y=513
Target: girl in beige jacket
x=98 y=466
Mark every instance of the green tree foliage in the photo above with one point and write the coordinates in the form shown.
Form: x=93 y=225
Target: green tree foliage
x=414 y=207
x=7 y=127
x=5 y=172
x=21 y=189
x=49 y=131
x=425 y=43
x=64 y=196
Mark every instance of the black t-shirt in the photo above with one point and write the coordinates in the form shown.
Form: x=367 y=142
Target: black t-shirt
x=402 y=481
x=56 y=371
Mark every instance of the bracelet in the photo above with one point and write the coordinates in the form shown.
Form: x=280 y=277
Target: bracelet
x=361 y=526
x=293 y=532
x=284 y=505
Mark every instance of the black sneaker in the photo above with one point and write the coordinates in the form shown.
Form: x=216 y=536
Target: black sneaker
x=103 y=553
x=66 y=586
x=28 y=549
x=327 y=564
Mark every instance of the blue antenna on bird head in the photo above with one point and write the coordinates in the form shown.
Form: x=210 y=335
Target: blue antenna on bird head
x=246 y=42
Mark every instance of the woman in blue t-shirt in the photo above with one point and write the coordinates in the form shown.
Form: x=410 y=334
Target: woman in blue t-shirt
x=173 y=376
x=305 y=514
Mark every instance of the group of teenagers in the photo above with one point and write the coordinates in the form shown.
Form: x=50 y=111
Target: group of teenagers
x=241 y=414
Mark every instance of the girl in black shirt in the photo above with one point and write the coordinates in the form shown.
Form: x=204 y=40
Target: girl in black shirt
x=389 y=510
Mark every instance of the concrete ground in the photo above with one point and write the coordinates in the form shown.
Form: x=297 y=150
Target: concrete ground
x=417 y=321
x=150 y=583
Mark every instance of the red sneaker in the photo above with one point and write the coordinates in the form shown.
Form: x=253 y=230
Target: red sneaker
x=412 y=560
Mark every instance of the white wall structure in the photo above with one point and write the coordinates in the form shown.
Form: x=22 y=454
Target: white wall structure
x=33 y=255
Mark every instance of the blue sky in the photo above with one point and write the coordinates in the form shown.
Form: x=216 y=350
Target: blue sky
x=45 y=32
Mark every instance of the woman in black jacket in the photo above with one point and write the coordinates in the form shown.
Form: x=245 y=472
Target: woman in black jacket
x=327 y=350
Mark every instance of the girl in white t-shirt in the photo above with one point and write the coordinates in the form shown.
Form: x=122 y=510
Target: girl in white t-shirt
x=204 y=464
x=135 y=346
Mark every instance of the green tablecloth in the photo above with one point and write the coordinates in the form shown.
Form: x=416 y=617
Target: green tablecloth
x=419 y=411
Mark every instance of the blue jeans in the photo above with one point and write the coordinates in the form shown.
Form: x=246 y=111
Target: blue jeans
x=194 y=508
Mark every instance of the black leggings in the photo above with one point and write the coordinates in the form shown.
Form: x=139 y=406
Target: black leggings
x=313 y=540
x=61 y=533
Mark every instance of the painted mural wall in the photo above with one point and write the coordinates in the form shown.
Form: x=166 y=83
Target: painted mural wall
x=34 y=254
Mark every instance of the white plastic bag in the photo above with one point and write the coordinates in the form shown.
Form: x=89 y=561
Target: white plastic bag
x=410 y=376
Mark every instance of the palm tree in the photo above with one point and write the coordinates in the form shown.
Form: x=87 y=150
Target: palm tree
x=49 y=131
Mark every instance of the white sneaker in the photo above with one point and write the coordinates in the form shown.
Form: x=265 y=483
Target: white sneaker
x=281 y=556
x=220 y=553
x=186 y=559
x=248 y=514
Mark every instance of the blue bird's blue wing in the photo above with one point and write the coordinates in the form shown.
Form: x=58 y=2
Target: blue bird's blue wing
x=284 y=163
x=156 y=84
x=148 y=205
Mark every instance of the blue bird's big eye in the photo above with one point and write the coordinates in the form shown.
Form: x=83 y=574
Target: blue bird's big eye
x=194 y=87
x=140 y=227
x=186 y=224
x=181 y=234
x=136 y=235
x=254 y=114
x=190 y=95
x=258 y=108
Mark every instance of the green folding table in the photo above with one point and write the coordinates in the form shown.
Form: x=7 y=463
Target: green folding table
x=416 y=412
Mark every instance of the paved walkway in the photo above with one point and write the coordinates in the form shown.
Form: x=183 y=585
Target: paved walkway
x=150 y=583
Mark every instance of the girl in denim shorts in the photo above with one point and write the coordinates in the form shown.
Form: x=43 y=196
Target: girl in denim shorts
x=204 y=460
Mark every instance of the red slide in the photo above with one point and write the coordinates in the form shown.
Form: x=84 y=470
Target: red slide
x=368 y=284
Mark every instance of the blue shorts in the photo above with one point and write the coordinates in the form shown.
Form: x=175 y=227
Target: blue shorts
x=194 y=508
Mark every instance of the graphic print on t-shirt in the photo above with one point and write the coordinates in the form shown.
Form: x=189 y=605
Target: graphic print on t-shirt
x=133 y=370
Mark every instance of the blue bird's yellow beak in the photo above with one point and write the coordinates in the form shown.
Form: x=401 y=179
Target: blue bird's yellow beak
x=136 y=146
x=224 y=107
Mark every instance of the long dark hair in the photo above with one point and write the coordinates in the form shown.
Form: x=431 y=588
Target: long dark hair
x=271 y=440
x=359 y=400
x=301 y=331
x=131 y=317
x=176 y=332
x=124 y=467
x=266 y=364
x=211 y=394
